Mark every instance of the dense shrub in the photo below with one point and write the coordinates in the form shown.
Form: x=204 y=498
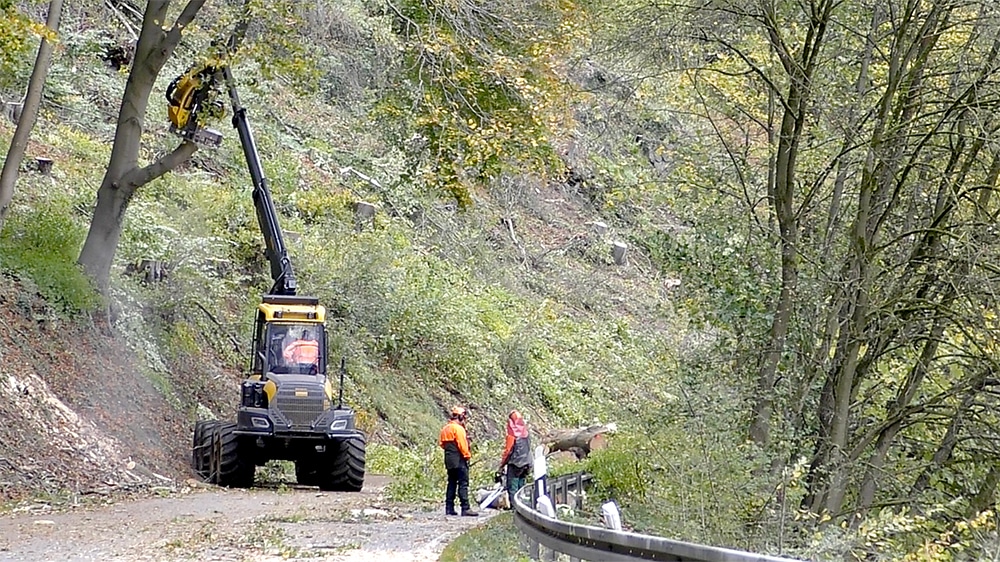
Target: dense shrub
x=42 y=245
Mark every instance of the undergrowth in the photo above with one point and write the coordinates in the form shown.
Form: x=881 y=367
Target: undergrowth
x=496 y=541
x=42 y=245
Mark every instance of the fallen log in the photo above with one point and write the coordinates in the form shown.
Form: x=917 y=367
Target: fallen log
x=580 y=441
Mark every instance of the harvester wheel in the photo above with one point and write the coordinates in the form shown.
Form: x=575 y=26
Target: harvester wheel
x=201 y=447
x=236 y=467
x=346 y=466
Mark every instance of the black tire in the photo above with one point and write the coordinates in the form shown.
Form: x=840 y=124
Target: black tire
x=197 y=462
x=345 y=466
x=307 y=472
x=236 y=467
x=201 y=447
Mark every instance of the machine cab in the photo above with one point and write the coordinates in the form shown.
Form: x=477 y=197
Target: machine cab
x=294 y=349
x=289 y=337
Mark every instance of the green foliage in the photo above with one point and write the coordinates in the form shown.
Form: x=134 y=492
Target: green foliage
x=283 y=49
x=496 y=541
x=17 y=38
x=485 y=96
x=42 y=244
x=723 y=272
x=621 y=469
x=893 y=534
x=416 y=476
x=681 y=460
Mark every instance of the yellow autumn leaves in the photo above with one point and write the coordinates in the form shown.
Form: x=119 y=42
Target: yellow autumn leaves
x=18 y=34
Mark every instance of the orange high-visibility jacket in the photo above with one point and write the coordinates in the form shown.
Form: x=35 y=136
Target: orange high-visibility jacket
x=302 y=351
x=517 y=433
x=455 y=443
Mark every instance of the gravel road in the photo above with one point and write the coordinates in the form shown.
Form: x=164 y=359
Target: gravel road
x=199 y=523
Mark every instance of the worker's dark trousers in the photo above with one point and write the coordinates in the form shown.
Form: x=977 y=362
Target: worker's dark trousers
x=458 y=480
x=516 y=478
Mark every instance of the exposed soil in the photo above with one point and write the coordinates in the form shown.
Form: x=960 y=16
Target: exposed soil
x=83 y=415
x=200 y=523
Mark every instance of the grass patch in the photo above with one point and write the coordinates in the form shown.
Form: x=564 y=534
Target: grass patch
x=42 y=245
x=417 y=476
x=496 y=541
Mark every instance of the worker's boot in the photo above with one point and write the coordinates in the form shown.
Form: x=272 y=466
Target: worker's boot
x=468 y=512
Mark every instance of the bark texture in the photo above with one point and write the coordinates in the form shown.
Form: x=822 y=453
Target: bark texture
x=29 y=113
x=124 y=175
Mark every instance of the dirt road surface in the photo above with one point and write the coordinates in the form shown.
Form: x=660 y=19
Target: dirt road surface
x=198 y=523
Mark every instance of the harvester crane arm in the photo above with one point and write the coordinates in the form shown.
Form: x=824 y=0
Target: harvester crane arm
x=287 y=410
x=190 y=97
x=267 y=215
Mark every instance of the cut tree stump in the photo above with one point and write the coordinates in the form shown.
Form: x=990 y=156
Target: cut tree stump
x=580 y=441
x=364 y=214
x=152 y=271
x=12 y=111
x=44 y=165
x=618 y=252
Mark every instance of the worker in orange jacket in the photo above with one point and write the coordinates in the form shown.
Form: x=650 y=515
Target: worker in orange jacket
x=516 y=454
x=303 y=352
x=455 y=442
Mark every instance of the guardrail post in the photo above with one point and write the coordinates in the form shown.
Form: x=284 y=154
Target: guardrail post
x=539 y=471
x=534 y=495
x=578 y=501
x=611 y=516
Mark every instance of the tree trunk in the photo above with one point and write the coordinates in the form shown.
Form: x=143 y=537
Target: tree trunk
x=799 y=67
x=985 y=497
x=29 y=112
x=156 y=44
x=579 y=441
x=883 y=173
x=897 y=413
x=948 y=443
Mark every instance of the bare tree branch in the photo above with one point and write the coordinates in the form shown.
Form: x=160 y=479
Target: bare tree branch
x=141 y=176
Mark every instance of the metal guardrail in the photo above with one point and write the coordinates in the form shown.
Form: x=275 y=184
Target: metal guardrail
x=585 y=542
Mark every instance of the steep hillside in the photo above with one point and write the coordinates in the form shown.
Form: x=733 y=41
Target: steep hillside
x=514 y=302
x=97 y=408
x=82 y=412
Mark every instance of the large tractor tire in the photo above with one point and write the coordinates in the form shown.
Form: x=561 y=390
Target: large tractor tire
x=235 y=467
x=345 y=466
x=307 y=472
x=201 y=447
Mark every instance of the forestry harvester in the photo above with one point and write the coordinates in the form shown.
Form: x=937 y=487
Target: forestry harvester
x=287 y=409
